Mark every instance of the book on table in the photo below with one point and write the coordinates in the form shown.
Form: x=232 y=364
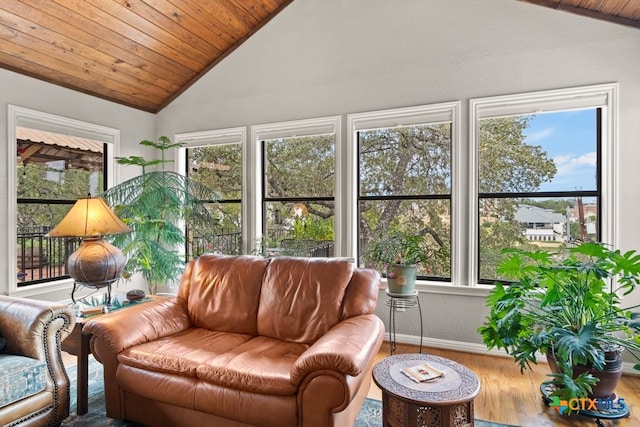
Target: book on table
x=422 y=372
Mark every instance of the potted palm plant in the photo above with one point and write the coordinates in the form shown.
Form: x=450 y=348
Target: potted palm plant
x=567 y=306
x=157 y=205
x=398 y=254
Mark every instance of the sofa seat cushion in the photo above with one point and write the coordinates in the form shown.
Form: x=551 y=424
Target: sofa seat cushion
x=181 y=353
x=195 y=394
x=261 y=365
x=20 y=377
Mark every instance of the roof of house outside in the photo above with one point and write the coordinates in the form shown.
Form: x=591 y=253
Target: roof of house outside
x=534 y=214
x=38 y=146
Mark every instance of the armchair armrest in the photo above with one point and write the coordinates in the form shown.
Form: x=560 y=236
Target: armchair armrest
x=142 y=323
x=347 y=348
x=35 y=328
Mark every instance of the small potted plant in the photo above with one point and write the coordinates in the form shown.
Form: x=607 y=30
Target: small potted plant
x=398 y=255
x=567 y=306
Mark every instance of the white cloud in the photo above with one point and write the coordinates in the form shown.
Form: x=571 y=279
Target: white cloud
x=588 y=159
x=560 y=160
x=540 y=135
x=570 y=164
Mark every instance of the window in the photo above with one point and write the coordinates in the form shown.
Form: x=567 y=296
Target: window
x=298 y=207
x=215 y=159
x=405 y=179
x=544 y=164
x=57 y=160
x=408 y=169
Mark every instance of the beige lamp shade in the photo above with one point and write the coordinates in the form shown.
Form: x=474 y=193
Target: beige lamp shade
x=89 y=217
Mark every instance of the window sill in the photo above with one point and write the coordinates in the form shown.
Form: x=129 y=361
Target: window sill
x=430 y=287
x=42 y=289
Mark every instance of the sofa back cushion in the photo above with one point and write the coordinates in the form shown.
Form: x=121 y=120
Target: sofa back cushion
x=301 y=298
x=362 y=294
x=223 y=292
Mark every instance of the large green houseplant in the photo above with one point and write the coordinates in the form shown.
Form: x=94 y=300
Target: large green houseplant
x=157 y=205
x=567 y=306
x=398 y=254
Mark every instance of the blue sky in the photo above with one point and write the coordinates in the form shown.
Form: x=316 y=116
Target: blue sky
x=569 y=138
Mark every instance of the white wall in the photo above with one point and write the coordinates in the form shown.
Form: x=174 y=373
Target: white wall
x=22 y=91
x=326 y=57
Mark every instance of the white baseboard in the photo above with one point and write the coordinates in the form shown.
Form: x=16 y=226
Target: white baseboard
x=478 y=349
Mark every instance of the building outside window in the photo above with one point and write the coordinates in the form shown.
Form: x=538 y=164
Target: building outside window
x=535 y=170
x=544 y=163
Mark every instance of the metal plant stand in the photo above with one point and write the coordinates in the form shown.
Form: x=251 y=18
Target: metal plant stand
x=401 y=301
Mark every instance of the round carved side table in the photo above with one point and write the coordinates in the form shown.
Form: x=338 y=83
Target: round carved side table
x=445 y=401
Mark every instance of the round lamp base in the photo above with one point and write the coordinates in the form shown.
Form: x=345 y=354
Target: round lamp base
x=96 y=263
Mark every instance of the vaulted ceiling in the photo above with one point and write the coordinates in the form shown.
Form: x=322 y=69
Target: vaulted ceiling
x=144 y=53
x=140 y=53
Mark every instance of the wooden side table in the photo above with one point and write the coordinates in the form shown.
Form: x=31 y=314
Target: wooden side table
x=77 y=344
x=446 y=401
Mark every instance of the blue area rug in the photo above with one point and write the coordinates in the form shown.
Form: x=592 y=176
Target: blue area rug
x=96 y=416
x=370 y=414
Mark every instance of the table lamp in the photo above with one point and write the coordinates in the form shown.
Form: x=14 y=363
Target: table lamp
x=96 y=263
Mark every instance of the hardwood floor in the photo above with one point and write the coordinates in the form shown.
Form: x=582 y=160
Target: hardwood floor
x=506 y=396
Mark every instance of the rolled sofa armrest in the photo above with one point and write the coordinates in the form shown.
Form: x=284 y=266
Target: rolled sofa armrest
x=138 y=324
x=348 y=348
x=125 y=328
x=35 y=328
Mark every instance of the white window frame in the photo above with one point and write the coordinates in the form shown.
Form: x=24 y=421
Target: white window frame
x=418 y=115
x=604 y=96
x=20 y=116
x=237 y=135
x=255 y=174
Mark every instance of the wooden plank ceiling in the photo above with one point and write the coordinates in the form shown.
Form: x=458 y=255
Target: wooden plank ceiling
x=144 y=53
x=624 y=12
x=140 y=53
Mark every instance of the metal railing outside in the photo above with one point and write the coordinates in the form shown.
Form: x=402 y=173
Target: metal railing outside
x=40 y=258
x=225 y=240
x=229 y=241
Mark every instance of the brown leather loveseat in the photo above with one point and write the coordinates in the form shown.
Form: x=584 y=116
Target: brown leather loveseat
x=246 y=341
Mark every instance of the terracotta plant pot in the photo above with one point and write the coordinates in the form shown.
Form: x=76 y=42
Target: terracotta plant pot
x=608 y=377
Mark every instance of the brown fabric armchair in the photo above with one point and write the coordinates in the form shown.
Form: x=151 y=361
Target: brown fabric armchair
x=34 y=387
x=246 y=341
